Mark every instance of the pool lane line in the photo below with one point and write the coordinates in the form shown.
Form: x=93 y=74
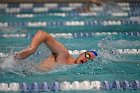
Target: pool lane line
x=68 y=86
x=73 y=35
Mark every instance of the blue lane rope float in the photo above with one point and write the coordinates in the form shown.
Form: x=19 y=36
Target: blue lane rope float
x=55 y=86
x=135 y=84
x=35 y=87
x=67 y=86
x=116 y=84
x=23 y=87
x=125 y=84
x=106 y=85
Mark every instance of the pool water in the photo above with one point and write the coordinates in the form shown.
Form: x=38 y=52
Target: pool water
x=108 y=65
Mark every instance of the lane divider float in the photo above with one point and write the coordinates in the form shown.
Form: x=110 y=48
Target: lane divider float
x=67 y=86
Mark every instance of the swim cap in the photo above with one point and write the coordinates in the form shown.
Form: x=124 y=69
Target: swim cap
x=94 y=52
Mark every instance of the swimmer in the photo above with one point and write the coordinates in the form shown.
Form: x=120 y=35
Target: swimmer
x=87 y=6
x=97 y=2
x=60 y=54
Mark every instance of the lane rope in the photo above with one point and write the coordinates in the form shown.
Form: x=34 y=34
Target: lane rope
x=65 y=86
x=117 y=22
x=73 y=35
x=77 y=52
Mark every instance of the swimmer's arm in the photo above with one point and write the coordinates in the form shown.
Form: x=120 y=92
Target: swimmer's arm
x=55 y=46
x=97 y=2
x=42 y=37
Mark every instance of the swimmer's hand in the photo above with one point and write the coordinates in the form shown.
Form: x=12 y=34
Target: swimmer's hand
x=16 y=56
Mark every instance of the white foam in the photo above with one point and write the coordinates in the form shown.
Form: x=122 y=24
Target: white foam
x=8 y=62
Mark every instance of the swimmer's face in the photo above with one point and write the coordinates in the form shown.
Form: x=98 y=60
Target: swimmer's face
x=84 y=57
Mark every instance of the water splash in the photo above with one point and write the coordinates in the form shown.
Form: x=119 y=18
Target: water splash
x=19 y=67
x=9 y=64
x=110 y=6
x=109 y=44
x=63 y=68
x=28 y=66
x=116 y=63
x=105 y=50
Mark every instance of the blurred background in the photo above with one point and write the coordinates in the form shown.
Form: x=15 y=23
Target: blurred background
x=110 y=27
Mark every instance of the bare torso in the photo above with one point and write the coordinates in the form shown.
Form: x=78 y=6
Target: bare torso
x=52 y=61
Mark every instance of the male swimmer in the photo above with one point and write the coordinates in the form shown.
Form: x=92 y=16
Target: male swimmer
x=97 y=2
x=86 y=7
x=60 y=54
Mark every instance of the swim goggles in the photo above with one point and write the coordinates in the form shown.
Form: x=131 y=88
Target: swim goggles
x=87 y=56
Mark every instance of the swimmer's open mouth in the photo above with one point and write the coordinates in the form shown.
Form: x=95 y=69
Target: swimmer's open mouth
x=82 y=61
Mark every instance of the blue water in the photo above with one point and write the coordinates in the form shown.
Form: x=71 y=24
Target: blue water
x=107 y=66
